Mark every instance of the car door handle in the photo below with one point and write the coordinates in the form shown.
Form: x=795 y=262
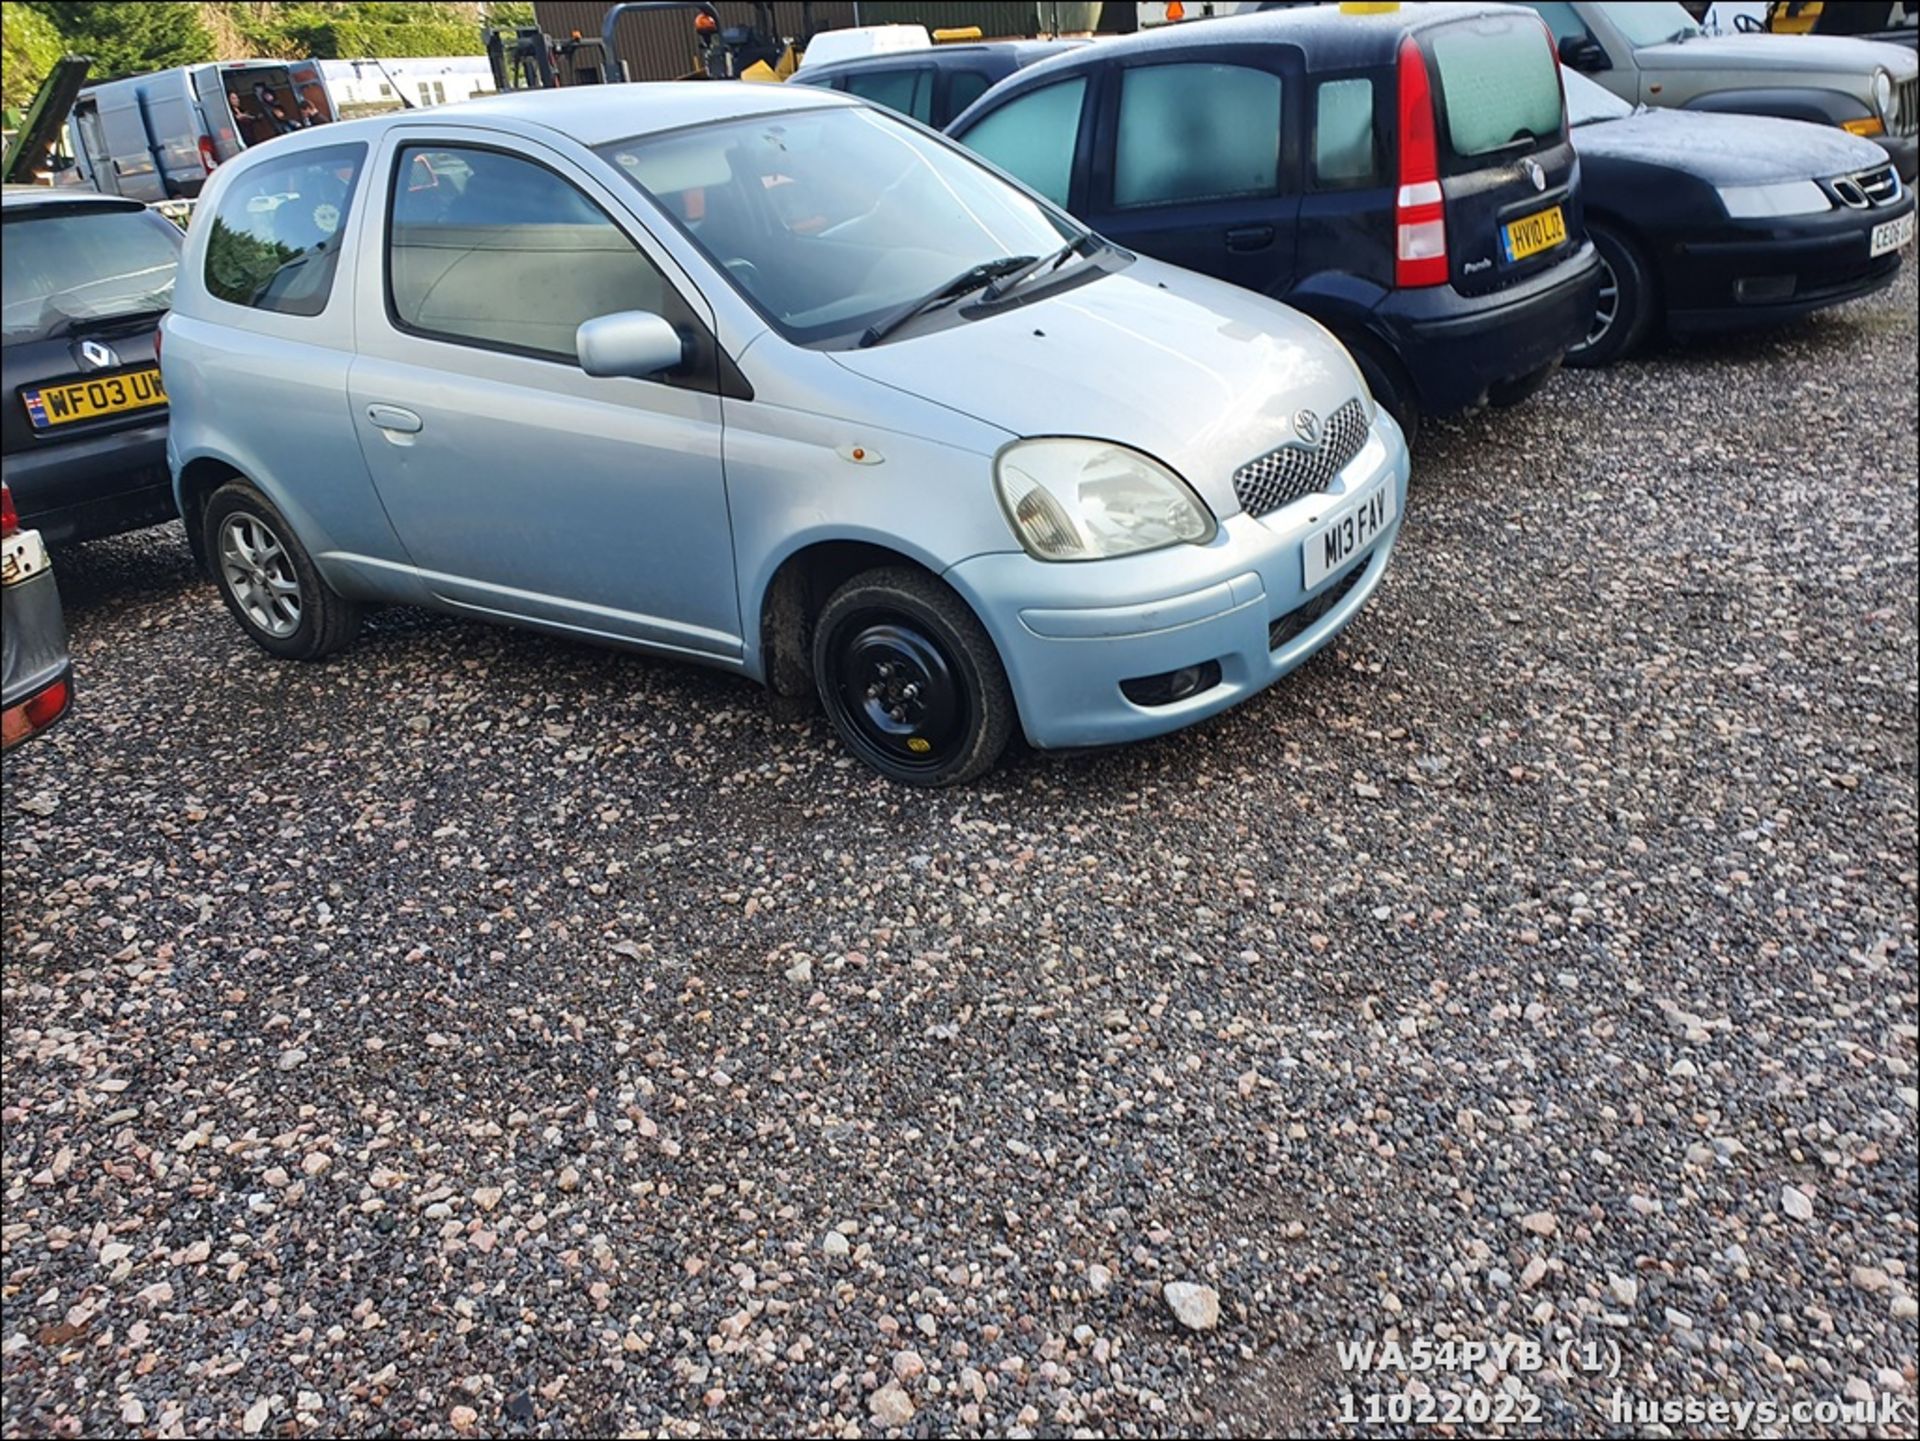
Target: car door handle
x=392 y=417
x=1250 y=237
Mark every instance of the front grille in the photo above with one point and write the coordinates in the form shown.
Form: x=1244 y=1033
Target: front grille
x=1881 y=186
x=1866 y=188
x=1293 y=470
x=1906 y=107
x=1296 y=621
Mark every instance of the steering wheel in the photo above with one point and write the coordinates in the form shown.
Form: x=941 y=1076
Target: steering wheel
x=1748 y=24
x=746 y=270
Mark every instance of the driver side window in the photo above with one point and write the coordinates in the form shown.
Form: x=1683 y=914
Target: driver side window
x=1562 y=20
x=492 y=250
x=1033 y=136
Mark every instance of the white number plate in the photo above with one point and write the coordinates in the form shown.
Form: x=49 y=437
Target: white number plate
x=1339 y=539
x=1891 y=235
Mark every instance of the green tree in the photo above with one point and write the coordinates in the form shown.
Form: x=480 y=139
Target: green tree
x=508 y=14
x=331 y=31
x=127 y=38
x=31 y=45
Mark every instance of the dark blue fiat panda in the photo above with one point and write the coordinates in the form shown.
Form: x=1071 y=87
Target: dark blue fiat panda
x=1404 y=178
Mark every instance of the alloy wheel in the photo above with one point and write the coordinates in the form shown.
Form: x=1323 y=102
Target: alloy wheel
x=1606 y=307
x=259 y=573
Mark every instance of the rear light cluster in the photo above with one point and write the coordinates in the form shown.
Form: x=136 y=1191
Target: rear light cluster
x=43 y=708
x=47 y=707
x=36 y=713
x=1419 y=212
x=208 y=159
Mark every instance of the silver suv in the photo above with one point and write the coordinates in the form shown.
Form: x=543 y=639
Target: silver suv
x=1654 y=54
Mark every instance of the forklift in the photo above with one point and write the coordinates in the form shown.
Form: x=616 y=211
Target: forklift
x=526 y=58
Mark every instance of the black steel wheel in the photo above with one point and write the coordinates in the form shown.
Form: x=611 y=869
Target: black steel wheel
x=911 y=680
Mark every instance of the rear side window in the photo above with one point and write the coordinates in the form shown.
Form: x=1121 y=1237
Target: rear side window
x=1499 y=85
x=908 y=91
x=275 y=238
x=491 y=250
x=64 y=268
x=1344 y=147
x=1033 y=136
x=964 y=87
x=1196 y=132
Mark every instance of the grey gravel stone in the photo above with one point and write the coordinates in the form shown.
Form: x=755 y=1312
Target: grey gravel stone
x=1195 y=1306
x=891 y=1406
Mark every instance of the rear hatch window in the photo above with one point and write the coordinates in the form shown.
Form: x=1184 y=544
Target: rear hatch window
x=1507 y=169
x=72 y=272
x=1499 y=88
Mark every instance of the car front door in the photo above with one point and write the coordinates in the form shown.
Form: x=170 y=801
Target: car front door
x=1196 y=162
x=521 y=486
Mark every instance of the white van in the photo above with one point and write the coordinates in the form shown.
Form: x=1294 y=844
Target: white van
x=858 y=41
x=159 y=136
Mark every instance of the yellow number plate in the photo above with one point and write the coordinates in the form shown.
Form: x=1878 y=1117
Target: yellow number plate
x=90 y=399
x=1534 y=233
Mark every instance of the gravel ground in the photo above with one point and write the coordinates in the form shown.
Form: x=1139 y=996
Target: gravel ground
x=482 y=1032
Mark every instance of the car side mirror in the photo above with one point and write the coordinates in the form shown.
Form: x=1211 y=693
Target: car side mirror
x=1584 y=53
x=632 y=343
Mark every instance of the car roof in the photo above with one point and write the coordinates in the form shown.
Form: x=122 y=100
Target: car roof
x=590 y=114
x=44 y=197
x=1331 y=37
x=1022 y=52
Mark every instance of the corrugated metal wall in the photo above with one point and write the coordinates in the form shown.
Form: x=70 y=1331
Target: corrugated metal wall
x=661 y=47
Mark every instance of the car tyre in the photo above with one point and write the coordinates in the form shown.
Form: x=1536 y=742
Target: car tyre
x=1625 y=310
x=269 y=581
x=1392 y=391
x=911 y=680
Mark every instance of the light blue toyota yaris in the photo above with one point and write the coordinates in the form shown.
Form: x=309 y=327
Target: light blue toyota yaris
x=767 y=379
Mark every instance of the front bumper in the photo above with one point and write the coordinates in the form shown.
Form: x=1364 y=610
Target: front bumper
x=1070 y=634
x=1457 y=347
x=1761 y=272
x=78 y=488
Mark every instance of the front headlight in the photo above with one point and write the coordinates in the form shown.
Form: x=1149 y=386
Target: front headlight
x=1074 y=499
x=1883 y=94
x=1788 y=197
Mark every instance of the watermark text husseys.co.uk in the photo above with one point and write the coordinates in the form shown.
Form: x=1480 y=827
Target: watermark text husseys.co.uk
x=1884 y=1409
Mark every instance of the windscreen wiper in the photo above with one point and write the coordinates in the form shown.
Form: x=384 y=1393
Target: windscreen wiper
x=966 y=281
x=1005 y=285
